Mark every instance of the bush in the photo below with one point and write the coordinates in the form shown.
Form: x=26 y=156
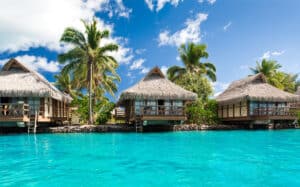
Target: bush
x=104 y=113
x=102 y=109
x=201 y=112
x=197 y=84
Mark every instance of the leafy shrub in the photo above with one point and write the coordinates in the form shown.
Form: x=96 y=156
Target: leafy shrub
x=102 y=109
x=201 y=112
x=298 y=114
x=197 y=84
x=104 y=112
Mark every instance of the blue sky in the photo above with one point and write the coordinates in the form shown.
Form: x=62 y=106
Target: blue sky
x=237 y=33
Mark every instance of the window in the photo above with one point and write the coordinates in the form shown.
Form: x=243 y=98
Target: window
x=138 y=104
x=271 y=108
x=253 y=108
x=177 y=107
x=263 y=108
x=34 y=104
x=151 y=107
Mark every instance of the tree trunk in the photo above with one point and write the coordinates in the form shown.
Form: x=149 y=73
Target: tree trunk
x=90 y=93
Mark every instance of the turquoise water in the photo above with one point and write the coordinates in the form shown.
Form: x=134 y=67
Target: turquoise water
x=212 y=158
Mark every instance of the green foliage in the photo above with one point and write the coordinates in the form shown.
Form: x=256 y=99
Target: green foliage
x=194 y=77
x=82 y=107
x=65 y=84
x=190 y=55
x=201 y=112
x=298 y=114
x=101 y=110
x=271 y=69
x=266 y=67
x=104 y=113
x=199 y=85
x=92 y=69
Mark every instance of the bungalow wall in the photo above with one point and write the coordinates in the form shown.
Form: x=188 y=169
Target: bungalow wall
x=239 y=109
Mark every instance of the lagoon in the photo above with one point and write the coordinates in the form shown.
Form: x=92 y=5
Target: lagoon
x=203 y=158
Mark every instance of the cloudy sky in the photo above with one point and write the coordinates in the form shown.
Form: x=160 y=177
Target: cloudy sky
x=238 y=33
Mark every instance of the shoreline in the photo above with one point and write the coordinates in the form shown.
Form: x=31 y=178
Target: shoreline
x=130 y=128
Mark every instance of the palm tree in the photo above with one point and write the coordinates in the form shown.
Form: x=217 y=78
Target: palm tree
x=266 y=67
x=191 y=55
x=88 y=60
x=64 y=84
x=279 y=79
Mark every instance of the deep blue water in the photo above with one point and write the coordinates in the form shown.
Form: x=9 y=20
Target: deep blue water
x=211 y=158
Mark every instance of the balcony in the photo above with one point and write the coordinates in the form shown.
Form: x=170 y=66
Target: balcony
x=288 y=113
x=14 y=112
x=161 y=112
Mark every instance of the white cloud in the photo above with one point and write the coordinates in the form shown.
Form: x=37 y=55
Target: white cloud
x=159 y=4
x=150 y=4
x=124 y=54
x=145 y=70
x=35 y=23
x=120 y=10
x=178 y=58
x=191 y=32
x=164 y=69
x=244 y=67
x=270 y=54
x=36 y=63
x=140 y=51
x=227 y=26
x=209 y=1
x=137 y=64
x=219 y=87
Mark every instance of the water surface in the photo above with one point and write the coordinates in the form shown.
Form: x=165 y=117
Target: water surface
x=210 y=158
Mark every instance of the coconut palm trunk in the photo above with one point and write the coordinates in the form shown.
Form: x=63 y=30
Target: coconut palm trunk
x=90 y=93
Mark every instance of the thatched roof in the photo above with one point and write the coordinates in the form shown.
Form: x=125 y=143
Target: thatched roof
x=156 y=86
x=298 y=91
x=256 y=88
x=17 y=80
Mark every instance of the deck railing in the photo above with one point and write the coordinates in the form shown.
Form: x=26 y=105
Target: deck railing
x=161 y=110
x=14 y=110
x=274 y=111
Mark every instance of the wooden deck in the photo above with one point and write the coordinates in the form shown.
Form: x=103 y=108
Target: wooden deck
x=165 y=113
x=268 y=113
x=12 y=112
x=20 y=112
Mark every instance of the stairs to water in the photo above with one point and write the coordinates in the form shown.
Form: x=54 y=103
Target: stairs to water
x=32 y=125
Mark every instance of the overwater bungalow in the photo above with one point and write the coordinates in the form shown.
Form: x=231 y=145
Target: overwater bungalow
x=26 y=97
x=255 y=102
x=155 y=100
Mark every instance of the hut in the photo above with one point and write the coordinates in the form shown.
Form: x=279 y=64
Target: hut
x=27 y=97
x=253 y=101
x=155 y=100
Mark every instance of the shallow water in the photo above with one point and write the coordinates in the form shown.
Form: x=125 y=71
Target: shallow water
x=211 y=158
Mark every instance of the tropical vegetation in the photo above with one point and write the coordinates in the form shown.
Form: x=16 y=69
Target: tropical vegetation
x=196 y=76
x=191 y=55
x=203 y=113
x=89 y=68
x=282 y=80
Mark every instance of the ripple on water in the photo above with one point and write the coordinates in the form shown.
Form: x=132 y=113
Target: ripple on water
x=223 y=158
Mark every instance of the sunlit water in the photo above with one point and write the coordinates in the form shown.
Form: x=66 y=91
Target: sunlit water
x=212 y=158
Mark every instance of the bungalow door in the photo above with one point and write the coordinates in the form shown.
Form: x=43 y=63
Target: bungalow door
x=161 y=107
x=34 y=105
